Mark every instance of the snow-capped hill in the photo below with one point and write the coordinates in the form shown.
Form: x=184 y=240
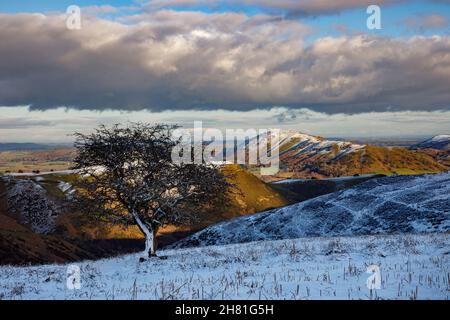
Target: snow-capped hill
x=309 y=155
x=441 y=142
x=294 y=146
x=399 y=204
x=306 y=156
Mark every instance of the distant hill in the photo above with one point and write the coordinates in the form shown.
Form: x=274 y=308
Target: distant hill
x=28 y=146
x=44 y=158
x=398 y=204
x=305 y=156
x=438 y=147
x=382 y=160
x=441 y=142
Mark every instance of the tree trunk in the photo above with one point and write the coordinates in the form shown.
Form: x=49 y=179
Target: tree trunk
x=150 y=236
x=155 y=242
x=150 y=244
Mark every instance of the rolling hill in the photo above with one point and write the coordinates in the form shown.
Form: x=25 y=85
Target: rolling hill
x=399 y=204
x=302 y=156
x=37 y=231
x=25 y=146
x=306 y=156
x=440 y=142
x=21 y=243
x=36 y=159
x=438 y=147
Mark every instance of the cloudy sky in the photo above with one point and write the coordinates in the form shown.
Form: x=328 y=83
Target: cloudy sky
x=299 y=64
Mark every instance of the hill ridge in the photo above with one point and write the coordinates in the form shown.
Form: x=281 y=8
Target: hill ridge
x=378 y=206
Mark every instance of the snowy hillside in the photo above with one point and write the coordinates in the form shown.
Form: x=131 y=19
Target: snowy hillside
x=305 y=156
x=411 y=267
x=294 y=145
x=30 y=201
x=383 y=205
x=441 y=142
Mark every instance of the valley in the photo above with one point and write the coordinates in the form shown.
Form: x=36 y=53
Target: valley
x=309 y=232
x=225 y=150
x=76 y=236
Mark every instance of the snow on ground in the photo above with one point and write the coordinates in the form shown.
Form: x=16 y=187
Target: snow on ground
x=441 y=142
x=440 y=138
x=411 y=267
x=305 y=144
x=30 y=201
x=64 y=186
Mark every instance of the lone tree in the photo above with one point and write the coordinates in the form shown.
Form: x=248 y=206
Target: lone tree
x=127 y=177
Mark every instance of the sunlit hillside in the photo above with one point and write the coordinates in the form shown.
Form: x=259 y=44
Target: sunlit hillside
x=77 y=235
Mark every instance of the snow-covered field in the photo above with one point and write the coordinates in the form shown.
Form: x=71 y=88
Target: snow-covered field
x=411 y=267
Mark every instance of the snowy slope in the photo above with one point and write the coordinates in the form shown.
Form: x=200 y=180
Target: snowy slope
x=385 y=205
x=441 y=142
x=305 y=156
x=30 y=202
x=293 y=146
x=411 y=267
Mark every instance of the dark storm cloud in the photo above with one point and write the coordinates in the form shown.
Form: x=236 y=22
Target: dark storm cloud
x=185 y=60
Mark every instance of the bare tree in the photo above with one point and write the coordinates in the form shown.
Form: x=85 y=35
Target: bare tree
x=127 y=177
